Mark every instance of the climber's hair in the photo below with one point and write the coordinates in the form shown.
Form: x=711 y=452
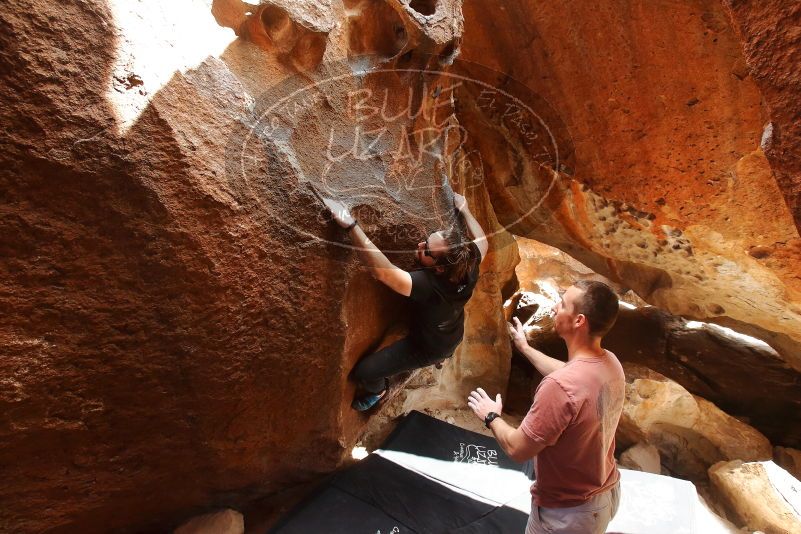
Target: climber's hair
x=599 y=304
x=460 y=259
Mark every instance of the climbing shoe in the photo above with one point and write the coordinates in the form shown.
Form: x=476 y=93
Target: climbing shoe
x=368 y=401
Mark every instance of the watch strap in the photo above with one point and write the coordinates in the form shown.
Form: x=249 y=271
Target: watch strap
x=490 y=418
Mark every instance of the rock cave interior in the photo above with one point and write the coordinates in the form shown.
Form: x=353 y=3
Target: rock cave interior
x=180 y=317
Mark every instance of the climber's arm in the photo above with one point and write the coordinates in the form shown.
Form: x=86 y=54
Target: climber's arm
x=473 y=226
x=381 y=268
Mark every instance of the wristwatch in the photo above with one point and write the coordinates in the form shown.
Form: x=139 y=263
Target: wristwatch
x=490 y=418
x=351 y=225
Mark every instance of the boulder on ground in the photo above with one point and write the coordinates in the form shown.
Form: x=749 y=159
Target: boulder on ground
x=690 y=433
x=642 y=457
x=223 y=522
x=761 y=495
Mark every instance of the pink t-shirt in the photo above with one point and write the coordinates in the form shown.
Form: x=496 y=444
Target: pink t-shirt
x=575 y=414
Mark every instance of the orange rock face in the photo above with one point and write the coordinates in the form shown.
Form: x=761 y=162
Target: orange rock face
x=770 y=33
x=663 y=182
x=178 y=320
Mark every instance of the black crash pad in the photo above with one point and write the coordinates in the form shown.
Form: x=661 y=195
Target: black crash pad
x=379 y=495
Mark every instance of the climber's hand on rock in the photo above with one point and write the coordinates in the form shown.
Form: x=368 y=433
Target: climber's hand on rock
x=339 y=212
x=482 y=404
x=517 y=334
x=459 y=202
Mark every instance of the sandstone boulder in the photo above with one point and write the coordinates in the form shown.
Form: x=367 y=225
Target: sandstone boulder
x=179 y=319
x=641 y=457
x=713 y=361
x=223 y=522
x=172 y=296
x=761 y=495
x=690 y=432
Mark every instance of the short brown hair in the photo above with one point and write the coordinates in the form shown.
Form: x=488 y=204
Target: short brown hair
x=599 y=304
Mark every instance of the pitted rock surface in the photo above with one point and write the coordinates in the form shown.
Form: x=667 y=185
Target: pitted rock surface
x=177 y=335
x=664 y=185
x=179 y=320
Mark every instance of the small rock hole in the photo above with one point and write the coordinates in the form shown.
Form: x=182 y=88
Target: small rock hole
x=424 y=7
x=276 y=21
x=448 y=54
x=377 y=30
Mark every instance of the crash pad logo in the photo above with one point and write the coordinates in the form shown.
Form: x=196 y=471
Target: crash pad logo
x=393 y=144
x=469 y=453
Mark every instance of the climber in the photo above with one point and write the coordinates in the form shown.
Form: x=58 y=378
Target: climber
x=438 y=293
x=570 y=427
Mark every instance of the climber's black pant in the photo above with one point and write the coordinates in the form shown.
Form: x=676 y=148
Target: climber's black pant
x=403 y=355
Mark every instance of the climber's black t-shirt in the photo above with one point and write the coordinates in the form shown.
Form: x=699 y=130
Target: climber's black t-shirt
x=438 y=308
